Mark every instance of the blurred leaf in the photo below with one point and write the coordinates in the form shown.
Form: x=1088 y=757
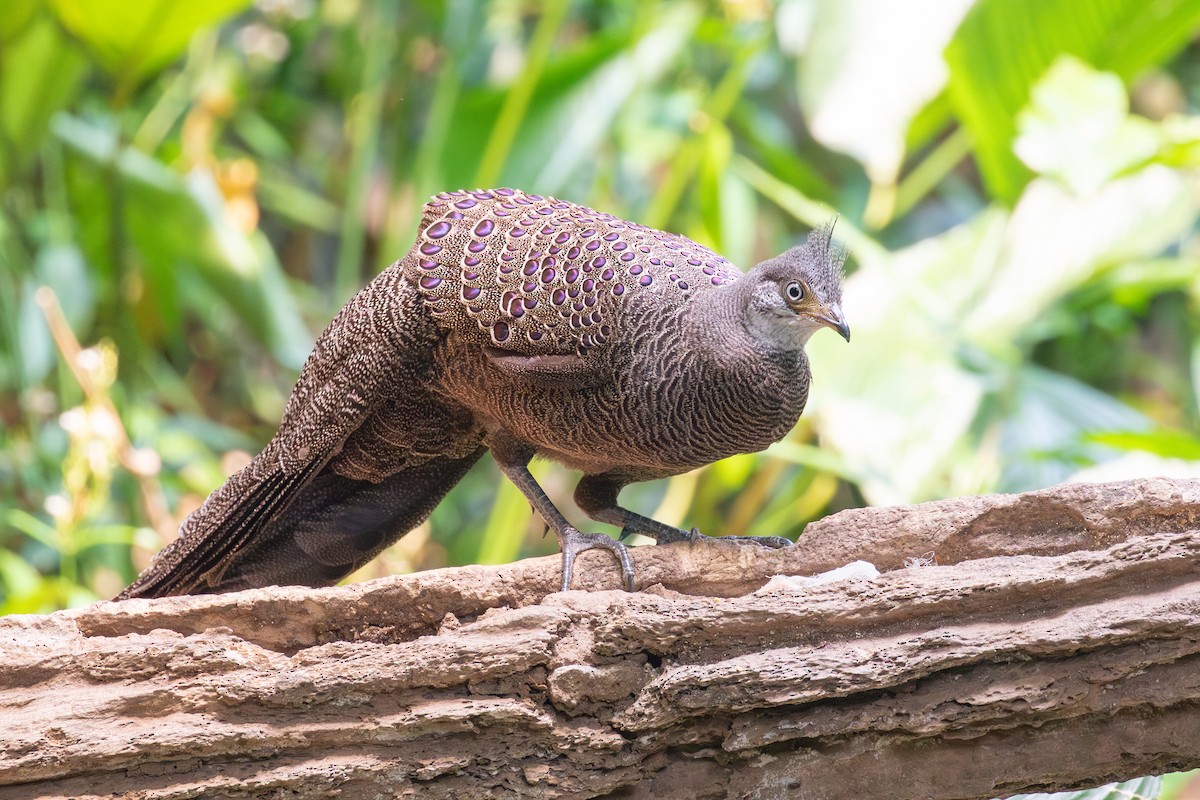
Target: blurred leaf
x=1078 y=129
x=17 y=14
x=32 y=527
x=1004 y=47
x=40 y=72
x=1182 y=146
x=19 y=581
x=1053 y=427
x=1137 y=789
x=855 y=98
x=178 y=225
x=134 y=38
x=60 y=267
x=573 y=107
x=1166 y=443
x=1057 y=241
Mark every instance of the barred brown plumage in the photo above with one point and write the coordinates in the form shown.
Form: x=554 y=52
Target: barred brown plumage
x=523 y=325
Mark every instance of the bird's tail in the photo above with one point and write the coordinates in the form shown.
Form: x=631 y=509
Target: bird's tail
x=316 y=537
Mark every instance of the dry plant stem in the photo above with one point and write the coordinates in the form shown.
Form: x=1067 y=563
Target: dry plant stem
x=154 y=504
x=1060 y=650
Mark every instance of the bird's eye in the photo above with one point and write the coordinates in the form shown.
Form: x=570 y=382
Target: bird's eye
x=795 y=292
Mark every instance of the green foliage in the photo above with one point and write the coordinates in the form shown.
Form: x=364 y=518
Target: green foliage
x=1004 y=47
x=190 y=191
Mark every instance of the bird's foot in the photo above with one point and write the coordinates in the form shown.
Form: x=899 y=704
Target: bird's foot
x=668 y=535
x=572 y=542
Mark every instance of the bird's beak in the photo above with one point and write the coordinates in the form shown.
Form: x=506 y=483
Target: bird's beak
x=831 y=317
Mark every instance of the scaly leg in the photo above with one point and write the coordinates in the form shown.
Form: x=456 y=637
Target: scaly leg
x=596 y=496
x=572 y=541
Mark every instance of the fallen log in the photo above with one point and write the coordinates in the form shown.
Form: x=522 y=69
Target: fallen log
x=1042 y=641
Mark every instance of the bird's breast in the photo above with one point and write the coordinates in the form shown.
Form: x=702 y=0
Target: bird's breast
x=651 y=401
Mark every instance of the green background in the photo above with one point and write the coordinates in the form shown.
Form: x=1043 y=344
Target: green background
x=189 y=191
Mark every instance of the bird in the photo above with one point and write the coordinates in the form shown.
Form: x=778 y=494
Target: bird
x=526 y=326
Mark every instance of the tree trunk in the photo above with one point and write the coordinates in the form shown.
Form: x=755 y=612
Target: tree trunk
x=1012 y=643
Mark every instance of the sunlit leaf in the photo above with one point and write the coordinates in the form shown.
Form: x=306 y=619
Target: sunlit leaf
x=40 y=73
x=1003 y=47
x=134 y=38
x=1166 y=443
x=1078 y=129
x=856 y=99
x=1056 y=241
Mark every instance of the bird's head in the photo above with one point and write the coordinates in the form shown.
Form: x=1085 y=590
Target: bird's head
x=797 y=293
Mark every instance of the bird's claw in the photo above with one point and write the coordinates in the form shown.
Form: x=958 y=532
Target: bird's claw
x=573 y=542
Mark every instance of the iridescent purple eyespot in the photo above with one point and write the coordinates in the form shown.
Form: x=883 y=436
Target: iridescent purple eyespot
x=429 y=248
x=465 y=204
x=470 y=292
x=558 y=297
x=500 y=330
x=607 y=275
x=430 y=281
x=438 y=229
x=646 y=280
x=485 y=227
x=618 y=290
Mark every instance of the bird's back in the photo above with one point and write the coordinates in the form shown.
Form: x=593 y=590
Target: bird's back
x=541 y=276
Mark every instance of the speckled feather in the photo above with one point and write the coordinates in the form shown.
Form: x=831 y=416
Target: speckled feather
x=526 y=325
x=539 y=275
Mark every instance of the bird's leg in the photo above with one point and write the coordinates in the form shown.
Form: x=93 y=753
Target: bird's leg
x=572 y=541
x=596 y=496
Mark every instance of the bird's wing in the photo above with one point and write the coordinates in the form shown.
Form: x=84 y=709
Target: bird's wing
x=536 y=276
x=380 y=338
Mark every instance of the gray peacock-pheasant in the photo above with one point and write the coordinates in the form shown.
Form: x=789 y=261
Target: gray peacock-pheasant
x=527 y=326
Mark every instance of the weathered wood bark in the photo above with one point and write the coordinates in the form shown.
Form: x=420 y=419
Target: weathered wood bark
x=1055 y=644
